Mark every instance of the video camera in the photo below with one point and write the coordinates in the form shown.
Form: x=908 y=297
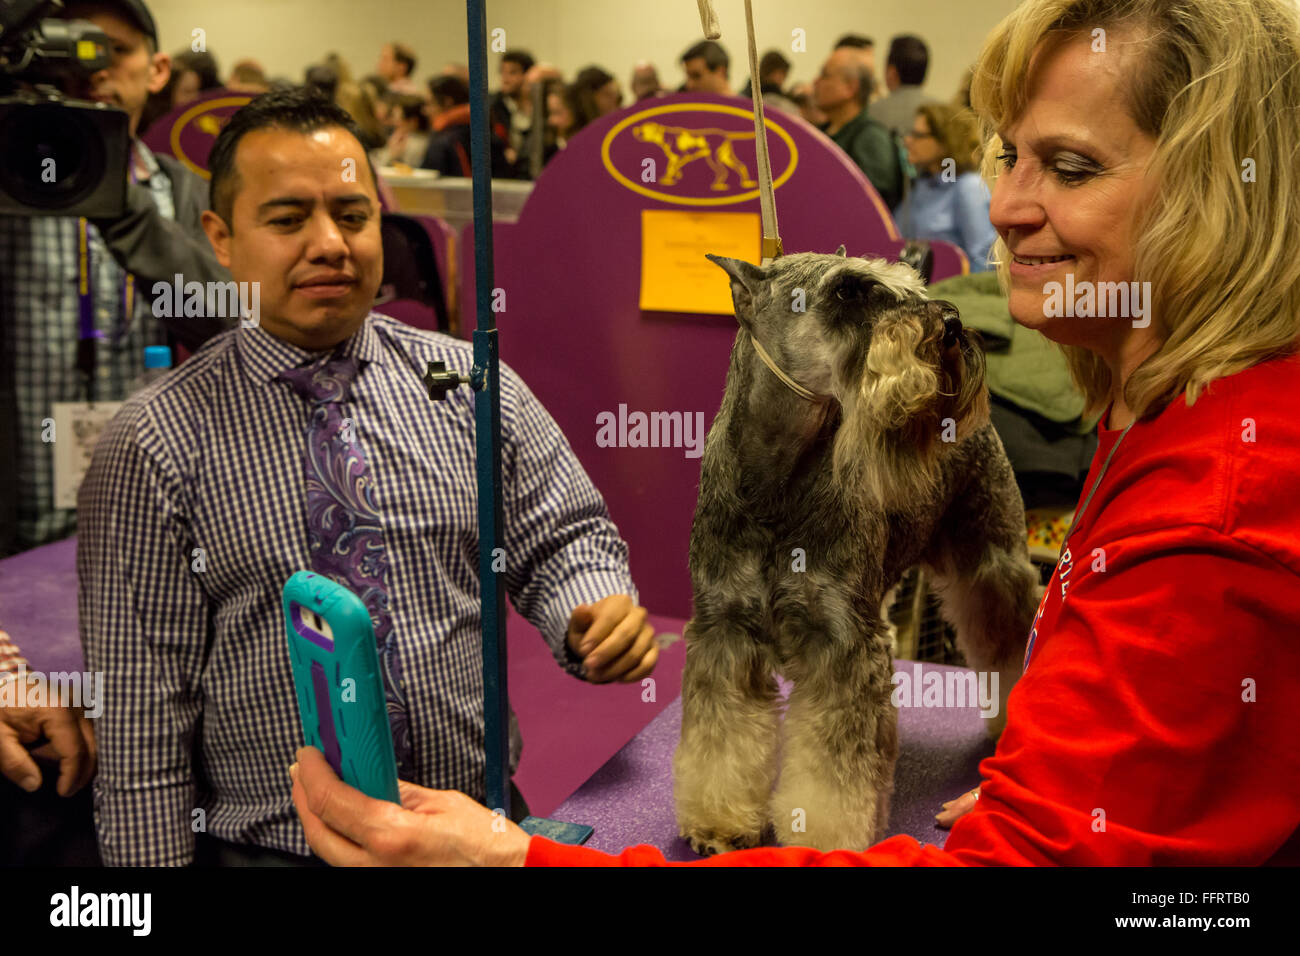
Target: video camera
x=59 y=156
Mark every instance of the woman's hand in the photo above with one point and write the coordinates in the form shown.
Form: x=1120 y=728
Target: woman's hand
x=953 y=810
x=431 y=828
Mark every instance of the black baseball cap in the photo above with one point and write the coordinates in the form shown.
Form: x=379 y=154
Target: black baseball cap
x=134 y=10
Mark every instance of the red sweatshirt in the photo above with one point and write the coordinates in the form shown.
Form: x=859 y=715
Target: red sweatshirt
x=1158 y=718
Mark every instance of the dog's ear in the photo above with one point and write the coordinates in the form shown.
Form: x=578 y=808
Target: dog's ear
x=841 y=251
x=746 y=281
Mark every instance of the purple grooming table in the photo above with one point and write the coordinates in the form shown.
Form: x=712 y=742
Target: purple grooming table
x=570 y=728
x=572 y=326
x=629 y=801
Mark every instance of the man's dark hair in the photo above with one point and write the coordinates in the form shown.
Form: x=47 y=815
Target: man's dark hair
x=202 y=64
x=593 y=78
x=411 y=108
x=298 y=110
x=866 y=83
x=520 y=58
x=404 y=55
x=910 y=57
x=713 y=55
x=322 y=79
x=854 y=41
x=772 y=62
x=449 y=89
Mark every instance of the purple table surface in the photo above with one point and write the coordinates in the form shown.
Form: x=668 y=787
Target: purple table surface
x=629 y=801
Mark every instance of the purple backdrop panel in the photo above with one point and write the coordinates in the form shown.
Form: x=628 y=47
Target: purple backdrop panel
x=570 y=269
x=443 y=237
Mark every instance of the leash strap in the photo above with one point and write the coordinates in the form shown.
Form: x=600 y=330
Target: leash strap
x=791 y=383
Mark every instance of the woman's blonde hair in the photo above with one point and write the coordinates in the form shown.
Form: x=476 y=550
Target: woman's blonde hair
x=1217 y=85
x=957 y=131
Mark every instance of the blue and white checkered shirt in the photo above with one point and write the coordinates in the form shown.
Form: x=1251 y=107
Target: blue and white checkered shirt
x=39 y=331
x=204 y=470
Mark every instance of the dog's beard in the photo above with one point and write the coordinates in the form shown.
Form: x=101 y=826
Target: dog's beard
x=896 y=415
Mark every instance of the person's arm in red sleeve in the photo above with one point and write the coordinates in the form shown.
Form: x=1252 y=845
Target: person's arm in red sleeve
x=1154 y=726
x=896 y=851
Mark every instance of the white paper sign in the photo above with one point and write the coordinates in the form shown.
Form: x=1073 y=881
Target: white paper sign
x=76 y=429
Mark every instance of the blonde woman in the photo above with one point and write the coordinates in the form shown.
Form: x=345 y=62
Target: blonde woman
x=1149 y=141
x=948 y=200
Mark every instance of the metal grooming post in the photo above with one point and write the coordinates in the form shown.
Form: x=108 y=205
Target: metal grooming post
x=485 y=379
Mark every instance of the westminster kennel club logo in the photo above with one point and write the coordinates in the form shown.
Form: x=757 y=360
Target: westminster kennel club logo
x=682 y=146
x=695 y=154
x=189 y=134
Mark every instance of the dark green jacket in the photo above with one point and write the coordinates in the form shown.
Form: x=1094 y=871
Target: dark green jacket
x=871 y=147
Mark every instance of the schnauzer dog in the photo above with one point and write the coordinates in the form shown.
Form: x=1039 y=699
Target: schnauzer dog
x=853 y=442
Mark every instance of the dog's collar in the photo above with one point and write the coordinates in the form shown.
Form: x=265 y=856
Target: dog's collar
x=791 y=383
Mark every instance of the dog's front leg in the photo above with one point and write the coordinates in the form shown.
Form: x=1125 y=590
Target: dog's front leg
x=726 y=760
x=840 y=745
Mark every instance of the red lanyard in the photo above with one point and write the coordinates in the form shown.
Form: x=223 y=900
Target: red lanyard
x=1065 y=545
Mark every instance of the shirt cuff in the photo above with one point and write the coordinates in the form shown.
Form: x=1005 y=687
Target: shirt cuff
x=586 y=588
x=146 y=827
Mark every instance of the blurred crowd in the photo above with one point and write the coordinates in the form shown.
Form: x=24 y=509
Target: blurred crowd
x=920 y=152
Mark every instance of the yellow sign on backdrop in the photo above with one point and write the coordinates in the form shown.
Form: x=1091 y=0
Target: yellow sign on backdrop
x=675 y=276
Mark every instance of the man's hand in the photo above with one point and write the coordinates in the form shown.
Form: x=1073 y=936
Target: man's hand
x=613 y=639
x=431 y=828
x=71 y=742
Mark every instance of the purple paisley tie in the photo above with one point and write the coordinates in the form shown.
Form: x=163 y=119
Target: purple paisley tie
x=344 y=531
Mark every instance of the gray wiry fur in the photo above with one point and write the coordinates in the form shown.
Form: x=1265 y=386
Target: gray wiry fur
x=865 y=484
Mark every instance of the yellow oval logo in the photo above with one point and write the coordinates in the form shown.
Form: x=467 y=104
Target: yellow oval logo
x=696 y=163
x=195 y=130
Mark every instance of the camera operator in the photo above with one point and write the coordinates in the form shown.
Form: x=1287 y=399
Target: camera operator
x=61 y=274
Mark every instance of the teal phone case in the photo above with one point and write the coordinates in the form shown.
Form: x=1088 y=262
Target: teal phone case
x=337 y=682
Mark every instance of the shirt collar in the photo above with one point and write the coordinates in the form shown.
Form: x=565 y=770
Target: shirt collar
x=264 y=356
x=145 y=160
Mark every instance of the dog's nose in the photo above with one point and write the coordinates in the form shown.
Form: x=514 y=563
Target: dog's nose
x=951 y=326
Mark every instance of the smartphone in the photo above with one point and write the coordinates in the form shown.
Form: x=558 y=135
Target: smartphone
x=338 y=684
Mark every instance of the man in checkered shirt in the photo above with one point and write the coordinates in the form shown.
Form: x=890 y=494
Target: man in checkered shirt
x=195 y=512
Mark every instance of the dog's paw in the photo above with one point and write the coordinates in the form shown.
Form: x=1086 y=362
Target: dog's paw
x=707 y=842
